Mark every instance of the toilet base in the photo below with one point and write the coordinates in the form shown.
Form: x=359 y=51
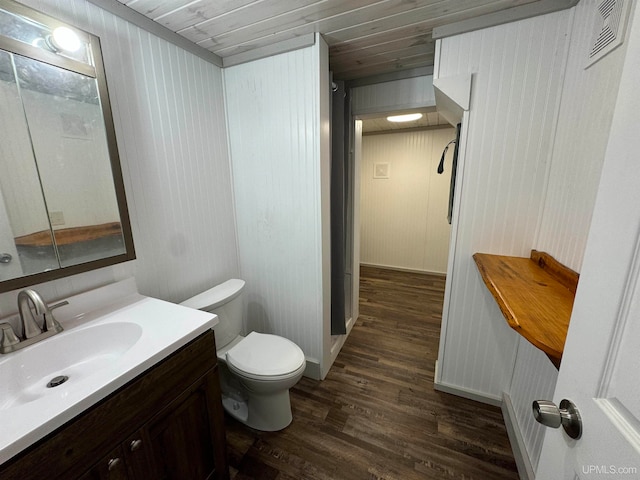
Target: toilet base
x=256 y=404
x=269 y=413
x=238 y=409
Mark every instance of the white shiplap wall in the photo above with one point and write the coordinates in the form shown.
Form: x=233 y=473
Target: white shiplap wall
x=404 y=94
x=517 y=78
x=403 y=219
x=170 y=124
x=274 y=115
x=534 y=378
x=588 y=100
x=584 y=120
x=577 y=149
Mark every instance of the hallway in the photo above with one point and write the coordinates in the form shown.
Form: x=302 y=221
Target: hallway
x=376 y=415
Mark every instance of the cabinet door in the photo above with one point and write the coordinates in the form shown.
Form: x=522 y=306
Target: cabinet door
x=111 y=467
x=187 y=437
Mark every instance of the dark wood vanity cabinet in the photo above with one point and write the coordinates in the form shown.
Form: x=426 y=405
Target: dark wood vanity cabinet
x=165 y=424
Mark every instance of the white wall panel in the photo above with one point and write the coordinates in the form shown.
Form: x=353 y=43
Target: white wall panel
x=273 y=108
x=517 y=78
x=534 y=378
x=395 y=95
x=577 y=145
x=169 y=116
x=404 y=218
x=584 y=121
x=588 y=100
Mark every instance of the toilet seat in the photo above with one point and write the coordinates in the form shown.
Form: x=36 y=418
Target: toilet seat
x=265 y=356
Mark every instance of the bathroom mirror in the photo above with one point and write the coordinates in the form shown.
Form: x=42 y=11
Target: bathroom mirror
x=62 y=204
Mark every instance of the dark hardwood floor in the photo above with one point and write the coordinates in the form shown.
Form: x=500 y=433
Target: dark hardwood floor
x=376 y=415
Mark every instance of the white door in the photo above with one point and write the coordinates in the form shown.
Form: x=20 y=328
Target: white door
x=600 y=369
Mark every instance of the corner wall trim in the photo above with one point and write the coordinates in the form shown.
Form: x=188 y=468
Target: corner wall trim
x=312 y=370
x=508 y=15
x=453 y=96
x=139 y=20
x=523 y=462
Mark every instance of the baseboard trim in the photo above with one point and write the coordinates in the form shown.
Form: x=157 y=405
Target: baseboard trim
x=523 y=462
x=402 y=269
x=465 y=392
x=470 y=394
x=312 y=369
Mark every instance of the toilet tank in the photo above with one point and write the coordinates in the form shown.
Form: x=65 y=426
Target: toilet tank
x=225 y=300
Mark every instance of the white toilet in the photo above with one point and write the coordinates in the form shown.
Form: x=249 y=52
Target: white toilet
x=256 y=371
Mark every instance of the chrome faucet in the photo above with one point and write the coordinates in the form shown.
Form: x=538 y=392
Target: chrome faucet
x=31 y=331
x=29 y=326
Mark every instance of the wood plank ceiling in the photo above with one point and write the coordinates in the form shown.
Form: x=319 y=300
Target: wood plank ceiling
x=365 y=37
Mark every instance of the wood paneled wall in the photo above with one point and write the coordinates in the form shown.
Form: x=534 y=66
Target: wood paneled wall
x=517 y=78
x=403 y=218
x=277 y=136
x=534 y=378
x=170 y=124
x=584 y=122
x=561 y=129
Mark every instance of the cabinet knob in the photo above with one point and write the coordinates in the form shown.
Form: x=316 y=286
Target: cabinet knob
x=113 y=464
x=135 y=445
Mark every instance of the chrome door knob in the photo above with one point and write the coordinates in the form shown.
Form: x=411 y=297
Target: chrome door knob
x=549 y=415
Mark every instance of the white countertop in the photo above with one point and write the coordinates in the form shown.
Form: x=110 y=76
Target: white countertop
x=154 y=329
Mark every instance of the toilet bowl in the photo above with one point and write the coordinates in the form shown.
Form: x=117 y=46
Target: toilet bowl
x=258 y=370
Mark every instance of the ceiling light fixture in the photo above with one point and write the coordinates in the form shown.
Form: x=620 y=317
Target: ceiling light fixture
x=64 y=38
x=410 y=117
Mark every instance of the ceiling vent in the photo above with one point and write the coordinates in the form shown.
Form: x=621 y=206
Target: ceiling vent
x=609 y=28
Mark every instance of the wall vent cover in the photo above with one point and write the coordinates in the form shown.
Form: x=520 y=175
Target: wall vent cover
x=609 y=28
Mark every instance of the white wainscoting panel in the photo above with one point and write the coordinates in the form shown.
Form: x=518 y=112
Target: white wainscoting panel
x=170 y=125
x=517 y=78
x=395 y=95
x=273 y=108
x=534 y=378
x=403 y=218
x=588 y=100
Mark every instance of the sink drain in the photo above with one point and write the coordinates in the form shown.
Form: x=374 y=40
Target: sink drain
x=54 y=382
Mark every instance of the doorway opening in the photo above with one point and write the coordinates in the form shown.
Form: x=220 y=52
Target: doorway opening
x=397 y=205
x=404 y=201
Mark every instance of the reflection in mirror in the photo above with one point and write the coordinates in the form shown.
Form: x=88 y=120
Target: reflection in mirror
x=62 y=204
x=22 y=205
x=70 y=147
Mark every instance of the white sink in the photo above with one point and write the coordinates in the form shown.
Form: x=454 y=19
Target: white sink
x=77 y=354
x=111 y=335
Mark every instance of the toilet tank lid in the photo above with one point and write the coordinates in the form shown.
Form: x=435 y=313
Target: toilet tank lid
x=216 y=296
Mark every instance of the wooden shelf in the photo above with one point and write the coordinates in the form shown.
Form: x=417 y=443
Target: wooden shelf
x=66 y=236
x=535 y=296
